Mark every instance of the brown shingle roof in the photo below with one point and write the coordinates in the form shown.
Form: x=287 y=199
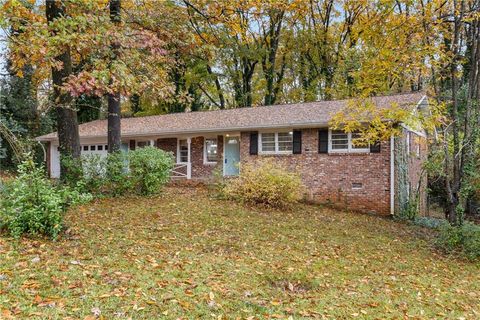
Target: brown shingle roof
x=276 y=116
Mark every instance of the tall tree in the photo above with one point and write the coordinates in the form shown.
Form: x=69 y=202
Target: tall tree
x=114 y=110
x=461 y=135
x=67 y=124
x=271 y=43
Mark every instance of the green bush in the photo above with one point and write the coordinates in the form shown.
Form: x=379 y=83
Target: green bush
x=73 y=170
x=117 y=180
x=464 y=238
x=32 y=204
x=93 y=178
x=265 y=183
x=150 y=169
x=105 y=176
x=143 y=171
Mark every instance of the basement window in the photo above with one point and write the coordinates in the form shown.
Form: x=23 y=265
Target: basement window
x=357 y=185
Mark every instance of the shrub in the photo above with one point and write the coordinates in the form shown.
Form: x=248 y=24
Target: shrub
x=464 y=238
x=73 y=170
x=265 y=183
x=150 y=169
x=93 y=177
x=32 y=204
x=101 y=176
x=143 y=171
x=106 y=176
x=217 y=183
x=471 y=240
x=429 y=222
x=117 y=180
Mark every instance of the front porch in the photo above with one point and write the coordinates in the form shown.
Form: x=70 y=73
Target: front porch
x=198 y=157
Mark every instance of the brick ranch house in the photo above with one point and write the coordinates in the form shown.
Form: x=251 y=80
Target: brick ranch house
x=360 y=178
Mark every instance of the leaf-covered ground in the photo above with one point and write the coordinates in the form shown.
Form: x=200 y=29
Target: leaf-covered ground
x=185 y=255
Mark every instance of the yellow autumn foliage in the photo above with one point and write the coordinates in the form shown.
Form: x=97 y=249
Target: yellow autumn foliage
x=265 y=183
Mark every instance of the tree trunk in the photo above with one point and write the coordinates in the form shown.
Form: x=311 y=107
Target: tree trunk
x=248 y=71
x=269 y=60
x=114 y=111
x=218 y=86
x=67 y=123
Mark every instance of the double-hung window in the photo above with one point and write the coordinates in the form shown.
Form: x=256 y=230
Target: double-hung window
x=276 y=142
x=338 y=140
x=182 y=151
x=341 y=141
x=210 y=153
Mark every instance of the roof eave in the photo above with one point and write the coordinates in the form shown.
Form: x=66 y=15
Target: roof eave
x=209 y=130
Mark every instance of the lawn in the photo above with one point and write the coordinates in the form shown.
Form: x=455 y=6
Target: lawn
x=185 y=255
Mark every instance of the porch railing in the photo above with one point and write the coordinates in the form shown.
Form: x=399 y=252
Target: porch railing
x=181 y=171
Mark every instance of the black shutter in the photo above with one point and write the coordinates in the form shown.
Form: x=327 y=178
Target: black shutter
x=323 y=140
x=375 y=147
x=297 y=142
x=132 y=144
x=254 y=143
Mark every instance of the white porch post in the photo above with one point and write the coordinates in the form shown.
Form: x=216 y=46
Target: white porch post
x=189 y=162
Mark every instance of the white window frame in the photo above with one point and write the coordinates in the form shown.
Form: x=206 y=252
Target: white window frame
x=350 y=148
x=178 y=150
x=205 y=158
x=277 y=151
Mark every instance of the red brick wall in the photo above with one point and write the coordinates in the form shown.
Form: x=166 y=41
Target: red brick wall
x=199 y=168
x=168 y=144
x=329 y=177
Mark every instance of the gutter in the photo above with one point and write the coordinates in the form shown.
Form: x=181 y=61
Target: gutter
x=392 y=175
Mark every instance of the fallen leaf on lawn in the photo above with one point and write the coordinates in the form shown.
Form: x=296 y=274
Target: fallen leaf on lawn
x=7 y=314
x=290 y=286
x=96 y=311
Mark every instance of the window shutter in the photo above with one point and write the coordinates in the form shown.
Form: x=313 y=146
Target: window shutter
x=132 y=144
x=323 y=140
x=297 y=142
x=253 y=143
x=375 y=148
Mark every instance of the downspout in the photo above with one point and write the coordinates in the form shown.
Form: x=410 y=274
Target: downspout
x=392 y=175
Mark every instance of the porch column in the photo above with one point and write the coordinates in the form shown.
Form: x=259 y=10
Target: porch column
x=189 y=159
